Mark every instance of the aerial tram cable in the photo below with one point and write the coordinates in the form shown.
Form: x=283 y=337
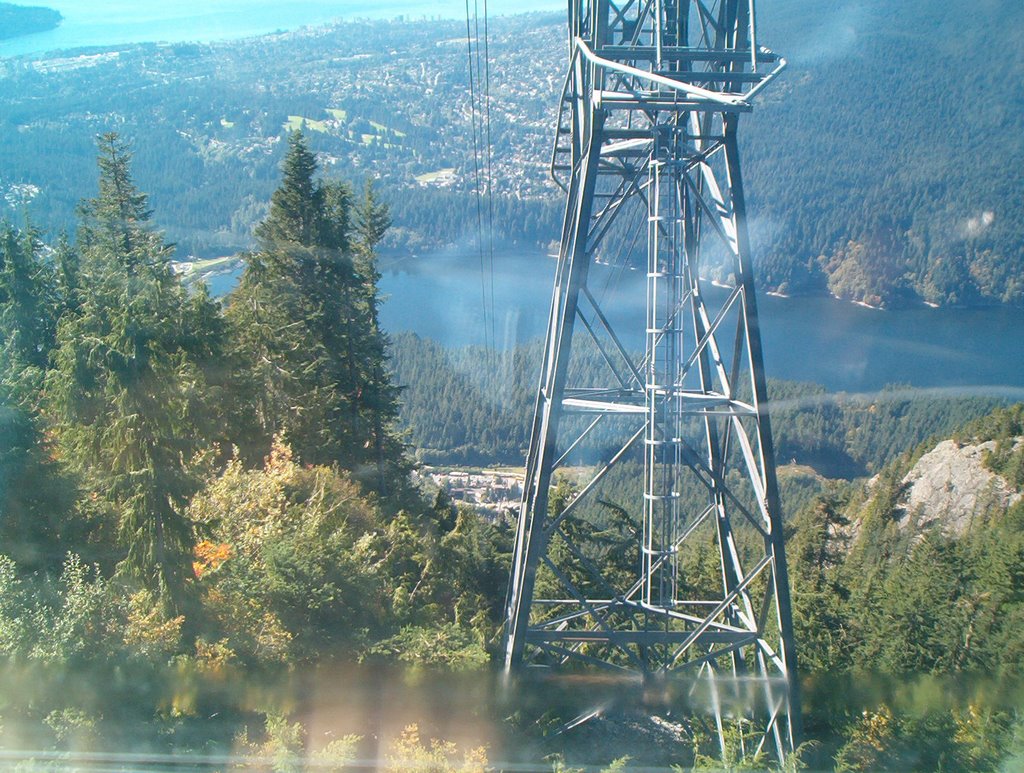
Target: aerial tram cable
x=625 y=249
x=476 y=165
x=490 y=176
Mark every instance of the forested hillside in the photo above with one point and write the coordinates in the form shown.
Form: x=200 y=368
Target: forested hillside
x=187 y=487
x=18 y=20
x=880 y=167
x=216 y=535
x=385 y=99
x=884 y=586
x=473 y=406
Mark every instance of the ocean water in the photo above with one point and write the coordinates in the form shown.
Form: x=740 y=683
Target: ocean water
x=840 y=345
x=116 y=22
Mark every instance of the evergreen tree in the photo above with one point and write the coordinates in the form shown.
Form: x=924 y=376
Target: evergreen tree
x=114 y=224
x=27 y=300
x=296 y=216
x=126 y=392
x=292 y=360
x=305 y=340
x=373 y=218
x=67 y=269
x=817 y=550
x=35 y=498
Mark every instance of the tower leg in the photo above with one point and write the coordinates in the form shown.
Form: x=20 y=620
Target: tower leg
x=775 y=545
x=570 y=278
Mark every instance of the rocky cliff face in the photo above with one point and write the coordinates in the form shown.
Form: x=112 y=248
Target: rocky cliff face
x=950 y=487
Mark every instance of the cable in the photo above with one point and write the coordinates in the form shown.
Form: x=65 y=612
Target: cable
x=490 y=177
x=476 y=168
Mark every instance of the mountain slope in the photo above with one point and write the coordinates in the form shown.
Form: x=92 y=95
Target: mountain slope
x=885 y=165
x=949 y=486
x=16 y=20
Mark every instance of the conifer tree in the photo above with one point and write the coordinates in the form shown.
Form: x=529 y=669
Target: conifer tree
x=66 y=265
x=114 y=224
x=819 y=594
x=304 y=333
x=27 y=300
x=296 y=214
x=35 y=498
x=126 y=391
x=373 y=218
x=273 y=319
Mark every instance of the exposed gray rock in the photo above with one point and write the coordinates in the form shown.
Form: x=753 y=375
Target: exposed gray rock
x=950 y=487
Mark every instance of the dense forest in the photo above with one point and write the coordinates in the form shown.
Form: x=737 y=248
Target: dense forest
x=897 y=99
x=900 y=102
x=472 y=406
x=876 y=592
x=16 y=20
x=187 y=487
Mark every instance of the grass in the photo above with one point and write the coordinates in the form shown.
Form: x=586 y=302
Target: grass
x=430 y=177
x=304 y=123
x=301 y=122
x=382 y=128
x=511 y=471
x=297 y=122
x=214 y=263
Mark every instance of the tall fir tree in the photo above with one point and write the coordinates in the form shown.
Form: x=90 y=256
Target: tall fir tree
x=372 y=220
x=127 y=392
x=35 y=497
x=28 y=305
x=818 y=549
x=296 y=214
x=304 y=333
x=66 y=265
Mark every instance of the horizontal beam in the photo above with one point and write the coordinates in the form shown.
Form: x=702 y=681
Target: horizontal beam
x=535 y=636
x=618 y=100
x=692 y=92
x=705 y=76
x=682 y=54
x=647 y=132
x=578 y=405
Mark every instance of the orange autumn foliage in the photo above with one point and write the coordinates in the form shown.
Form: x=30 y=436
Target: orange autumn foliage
x=209 y=556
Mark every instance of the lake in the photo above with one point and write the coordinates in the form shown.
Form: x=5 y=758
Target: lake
x=841 y=345
x=117 y=22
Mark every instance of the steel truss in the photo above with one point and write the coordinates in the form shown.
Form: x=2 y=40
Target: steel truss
x=648 y=123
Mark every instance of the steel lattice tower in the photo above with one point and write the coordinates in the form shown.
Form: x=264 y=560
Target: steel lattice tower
x=648 y=123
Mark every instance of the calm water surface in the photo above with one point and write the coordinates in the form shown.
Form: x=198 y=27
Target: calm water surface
x=841 y=345
x=116 y=22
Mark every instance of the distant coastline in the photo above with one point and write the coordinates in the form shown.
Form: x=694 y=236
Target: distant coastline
x=90 y=24
x=18 y=20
